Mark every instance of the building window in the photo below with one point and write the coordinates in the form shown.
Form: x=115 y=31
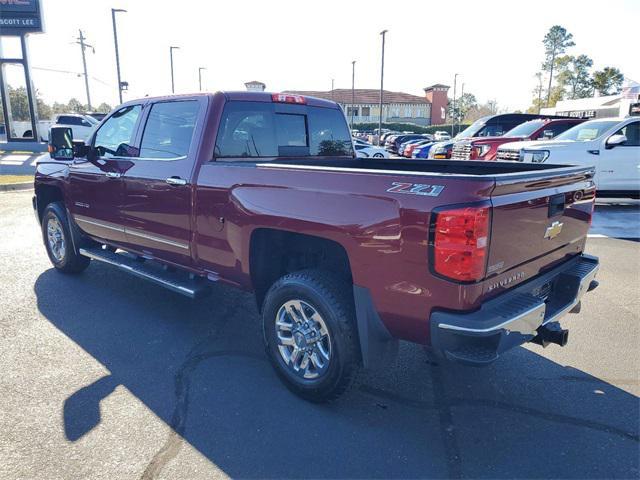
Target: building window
x=419 y=113
x=352 y=111
x=407 y=112
x=366 y=111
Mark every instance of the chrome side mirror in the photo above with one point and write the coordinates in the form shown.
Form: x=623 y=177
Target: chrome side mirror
x=616 y=140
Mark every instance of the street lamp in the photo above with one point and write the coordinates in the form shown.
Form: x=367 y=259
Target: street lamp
x=353 y=91
x=453 y=120
x=200 y=77
x=383 y=33
x=171 y=49
x=115 y=42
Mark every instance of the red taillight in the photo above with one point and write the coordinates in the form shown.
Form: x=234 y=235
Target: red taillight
x=288 y=98
x=461 y=243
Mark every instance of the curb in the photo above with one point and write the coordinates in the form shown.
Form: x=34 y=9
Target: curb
x=10 y=187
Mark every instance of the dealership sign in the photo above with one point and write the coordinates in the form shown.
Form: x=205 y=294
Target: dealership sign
x=18 y=17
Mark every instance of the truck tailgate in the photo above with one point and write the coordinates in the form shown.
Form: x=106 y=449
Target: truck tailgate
x=536 y=214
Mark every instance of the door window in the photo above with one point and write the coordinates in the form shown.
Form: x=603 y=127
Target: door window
x=632 y=132
x=169 y=129
x=115 y=136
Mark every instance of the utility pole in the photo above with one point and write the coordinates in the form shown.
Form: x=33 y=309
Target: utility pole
x=332 y=89
x=383 y=33
x=353 y=91
x=83 y=45
x=200 y=77
x=171 y=49
x=453 y=119
x=115 y=42
x=461 y=102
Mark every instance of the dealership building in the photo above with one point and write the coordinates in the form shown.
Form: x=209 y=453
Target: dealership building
x=364 y=104
x=625 y=103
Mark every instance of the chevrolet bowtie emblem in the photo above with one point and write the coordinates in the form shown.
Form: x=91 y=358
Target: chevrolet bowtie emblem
x=553 y=230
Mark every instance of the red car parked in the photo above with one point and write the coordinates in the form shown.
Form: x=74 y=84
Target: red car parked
x=486 y=148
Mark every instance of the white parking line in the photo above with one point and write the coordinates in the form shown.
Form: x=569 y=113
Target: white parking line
x=15 y=158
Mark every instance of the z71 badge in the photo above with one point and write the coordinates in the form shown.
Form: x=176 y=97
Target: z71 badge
x=416 y=189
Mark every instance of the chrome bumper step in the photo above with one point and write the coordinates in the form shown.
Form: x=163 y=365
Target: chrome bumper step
x=152 y=271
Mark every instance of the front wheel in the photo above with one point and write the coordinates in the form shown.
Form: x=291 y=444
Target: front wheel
x=310 y=334
x=378 y=155
x=58 y=242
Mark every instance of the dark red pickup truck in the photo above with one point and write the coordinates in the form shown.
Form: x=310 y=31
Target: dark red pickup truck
x=345 y=255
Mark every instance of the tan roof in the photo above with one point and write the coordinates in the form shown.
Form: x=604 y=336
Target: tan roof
x=363 y=96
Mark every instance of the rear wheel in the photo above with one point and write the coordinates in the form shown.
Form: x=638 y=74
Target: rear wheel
x=310 y=334
x=58 y=242
x=378 y=155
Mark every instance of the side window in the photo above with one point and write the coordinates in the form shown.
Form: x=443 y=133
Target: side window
x=632 y=132
x=66 y=120
x=115 y=136
x=169 y=129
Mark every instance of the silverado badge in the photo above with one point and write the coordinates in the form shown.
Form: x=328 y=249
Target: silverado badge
x=553 y=230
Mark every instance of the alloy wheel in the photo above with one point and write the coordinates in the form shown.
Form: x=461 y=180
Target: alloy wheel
x=303 y=339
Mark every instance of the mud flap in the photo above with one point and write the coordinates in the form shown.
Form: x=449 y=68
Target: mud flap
x=377 y=346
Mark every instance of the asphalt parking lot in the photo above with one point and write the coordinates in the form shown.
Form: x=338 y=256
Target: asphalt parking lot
x=105 y=376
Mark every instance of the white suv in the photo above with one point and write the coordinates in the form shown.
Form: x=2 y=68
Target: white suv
x=612 y=145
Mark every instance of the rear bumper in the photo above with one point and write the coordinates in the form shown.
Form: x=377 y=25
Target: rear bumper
x=516 y=316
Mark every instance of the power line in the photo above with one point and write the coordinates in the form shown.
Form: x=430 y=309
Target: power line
x=78 y=74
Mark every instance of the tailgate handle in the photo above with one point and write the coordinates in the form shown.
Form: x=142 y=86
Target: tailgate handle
x=556 y=205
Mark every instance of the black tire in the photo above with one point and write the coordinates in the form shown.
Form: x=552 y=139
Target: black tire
x=378 y=155
x=66 y=260
x=332 y=300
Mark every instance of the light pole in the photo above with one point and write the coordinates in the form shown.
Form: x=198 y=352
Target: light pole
x=353 y=90
x=115 y=42
x=383 y=33
x=200 y=77
x=171 y=49
x=453 y=119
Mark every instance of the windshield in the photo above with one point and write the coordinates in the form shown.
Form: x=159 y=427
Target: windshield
x=525 y=129
x=472 y=129
x=587 y=131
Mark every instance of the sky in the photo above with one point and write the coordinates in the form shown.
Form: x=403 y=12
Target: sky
x=495 y=46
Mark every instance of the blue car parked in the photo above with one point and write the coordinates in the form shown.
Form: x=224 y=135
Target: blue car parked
x=423 y=151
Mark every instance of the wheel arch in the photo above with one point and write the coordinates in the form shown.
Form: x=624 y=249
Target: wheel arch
x=46 y=194
x=275 y=252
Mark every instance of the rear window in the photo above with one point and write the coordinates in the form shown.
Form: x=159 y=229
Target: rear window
x=258 y=129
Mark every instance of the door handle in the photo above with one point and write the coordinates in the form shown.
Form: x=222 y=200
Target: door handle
x=113 y=174
x=176 y=181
